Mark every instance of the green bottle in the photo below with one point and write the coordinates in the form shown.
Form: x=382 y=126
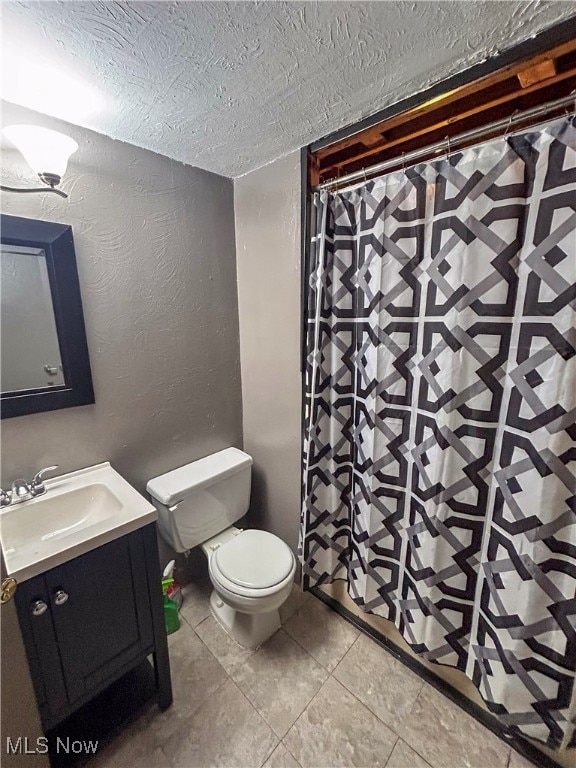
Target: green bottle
x=171 y=618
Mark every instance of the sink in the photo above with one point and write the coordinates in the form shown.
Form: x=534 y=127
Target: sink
x=79 y=511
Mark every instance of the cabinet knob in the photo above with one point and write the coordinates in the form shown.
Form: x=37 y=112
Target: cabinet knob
x=7 y=590
x=60 y=597
x=39 y=607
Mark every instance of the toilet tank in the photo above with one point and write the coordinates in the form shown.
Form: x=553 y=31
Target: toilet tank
x=201 y=499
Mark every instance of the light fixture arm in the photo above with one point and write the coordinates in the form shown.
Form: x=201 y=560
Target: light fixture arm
x=45 y=151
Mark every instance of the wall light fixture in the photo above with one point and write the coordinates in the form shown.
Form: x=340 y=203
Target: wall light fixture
x=47 y=153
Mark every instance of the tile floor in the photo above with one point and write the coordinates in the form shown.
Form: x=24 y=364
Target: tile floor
x=318 y=694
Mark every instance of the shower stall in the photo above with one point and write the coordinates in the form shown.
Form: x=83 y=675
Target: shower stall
x=439 y=485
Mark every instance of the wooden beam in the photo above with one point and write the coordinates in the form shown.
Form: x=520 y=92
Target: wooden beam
x=331 y=168
x=373 y=137
x=358 y=138
x=314 y=169
x=536 y=74
x=539 y=66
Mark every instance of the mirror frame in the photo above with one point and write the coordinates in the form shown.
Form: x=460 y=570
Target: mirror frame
x=58 y=245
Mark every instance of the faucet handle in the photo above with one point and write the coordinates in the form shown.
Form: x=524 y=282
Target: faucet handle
x=5 y=498
x=37 y=485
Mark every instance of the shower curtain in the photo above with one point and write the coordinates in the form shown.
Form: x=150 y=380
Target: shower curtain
x=440 y=399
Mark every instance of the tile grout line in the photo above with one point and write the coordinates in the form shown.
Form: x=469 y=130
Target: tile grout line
x=397 y=737
x=411 y=746
x=299 y=644
x=289 y=751
x=240 y=664
x=302 y=713
x=229 y=677
x=386 y=725
x=266 y=723
x=329 y=674
x=186 y=621
x=274 y=748
x=415 y=750
x=393 y=748
x=343 y=684
x=298 y=608
x=299 y=715
x=346 y=654
x=329 y=671
x=436 y=682
x=168 y=762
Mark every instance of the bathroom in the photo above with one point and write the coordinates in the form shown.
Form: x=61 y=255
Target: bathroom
x=204 y=132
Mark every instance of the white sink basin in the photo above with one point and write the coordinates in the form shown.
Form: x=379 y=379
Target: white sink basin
x=79 y=512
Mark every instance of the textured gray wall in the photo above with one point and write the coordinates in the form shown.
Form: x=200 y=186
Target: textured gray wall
x=156 y=258
x=267 y=209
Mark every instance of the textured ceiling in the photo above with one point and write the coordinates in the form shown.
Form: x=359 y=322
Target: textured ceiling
x=231 y=86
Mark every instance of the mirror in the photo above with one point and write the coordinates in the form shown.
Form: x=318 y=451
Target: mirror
x=44 y=362
x=30 y=356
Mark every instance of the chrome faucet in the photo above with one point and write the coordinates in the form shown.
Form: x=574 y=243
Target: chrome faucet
x=22 y=490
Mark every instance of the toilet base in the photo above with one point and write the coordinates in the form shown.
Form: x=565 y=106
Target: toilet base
x=249 y=630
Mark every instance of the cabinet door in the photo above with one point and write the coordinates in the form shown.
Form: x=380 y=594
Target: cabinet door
x=32 y=604
x=101 y=613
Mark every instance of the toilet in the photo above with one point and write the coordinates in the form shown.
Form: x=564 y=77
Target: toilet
x=251 y=571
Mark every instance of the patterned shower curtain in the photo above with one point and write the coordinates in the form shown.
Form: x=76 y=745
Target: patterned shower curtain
x=440 y=435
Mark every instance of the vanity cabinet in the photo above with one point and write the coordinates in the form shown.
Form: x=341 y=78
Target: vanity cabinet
x=87 y=622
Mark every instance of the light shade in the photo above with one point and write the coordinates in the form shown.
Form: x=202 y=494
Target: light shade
x=46 y=152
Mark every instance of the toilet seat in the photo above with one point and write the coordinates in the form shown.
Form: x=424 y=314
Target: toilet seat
x=253 y=564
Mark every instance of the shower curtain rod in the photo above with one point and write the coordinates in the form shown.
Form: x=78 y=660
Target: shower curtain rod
x=449 y=143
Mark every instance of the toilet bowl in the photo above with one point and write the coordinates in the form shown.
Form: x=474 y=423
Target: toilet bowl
x=251 y=571
x=252 y=574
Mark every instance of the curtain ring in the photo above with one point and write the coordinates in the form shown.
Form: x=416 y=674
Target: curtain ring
x=507 y=131
x=448 y=148
x=404 y=163
x=336 y=180
x=364 y=174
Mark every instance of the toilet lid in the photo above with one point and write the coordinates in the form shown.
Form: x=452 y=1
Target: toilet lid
x=254 y=559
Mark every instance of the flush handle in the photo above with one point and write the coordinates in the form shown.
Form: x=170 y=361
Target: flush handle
x=61 y=597
x=39 y=607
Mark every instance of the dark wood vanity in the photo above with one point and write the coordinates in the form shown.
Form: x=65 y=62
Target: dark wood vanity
x=87 y=622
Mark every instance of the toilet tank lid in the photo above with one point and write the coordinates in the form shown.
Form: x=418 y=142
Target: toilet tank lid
x=173 y=486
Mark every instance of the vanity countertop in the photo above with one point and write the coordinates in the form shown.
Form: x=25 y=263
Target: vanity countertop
x=79 y=512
